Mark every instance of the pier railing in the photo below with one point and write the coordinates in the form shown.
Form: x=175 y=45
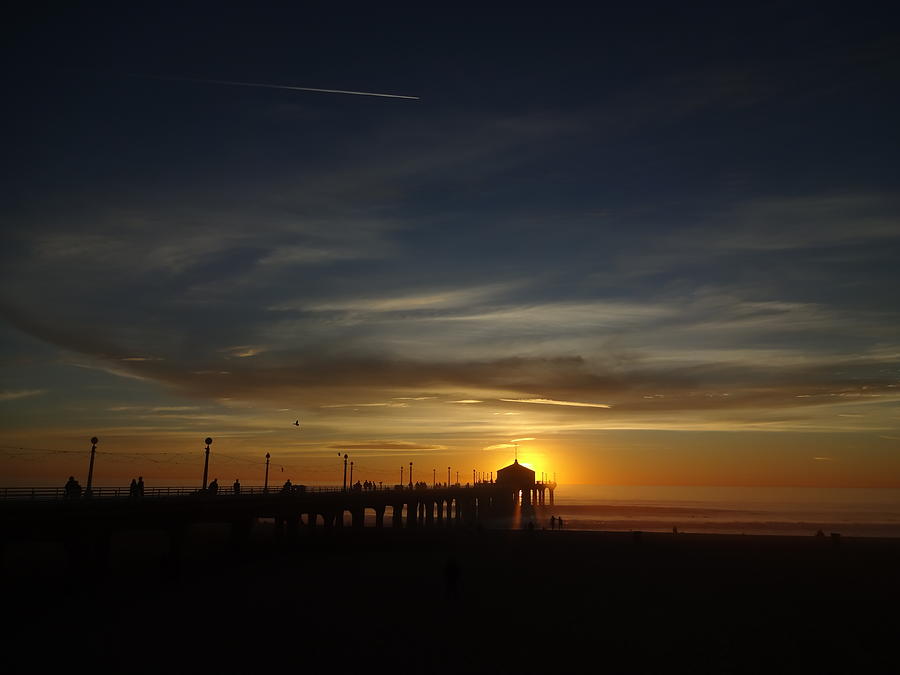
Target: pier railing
x=106 y=492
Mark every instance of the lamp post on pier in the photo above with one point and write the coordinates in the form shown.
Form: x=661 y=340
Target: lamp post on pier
x=206 y=463
x=90 y=480
x=448 y=476
x=345 y=471
x=351 y=474
x=266 y=483
x=410 y=476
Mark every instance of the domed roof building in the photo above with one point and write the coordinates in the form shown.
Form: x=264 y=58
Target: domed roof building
x=517 y=478
x=517 y=474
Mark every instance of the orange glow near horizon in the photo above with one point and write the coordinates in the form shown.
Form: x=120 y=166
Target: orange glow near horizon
x=623 y=457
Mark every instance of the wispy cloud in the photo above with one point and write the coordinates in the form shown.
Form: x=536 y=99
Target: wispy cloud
x=768 y=224
x=549 y=401
x=122 y=372
x=243 y=351
x=153 y=409
x=447 y=298
x=499 y=446
x=386 y=404
x=385 y=445
x=308 y=255
x=9 y=395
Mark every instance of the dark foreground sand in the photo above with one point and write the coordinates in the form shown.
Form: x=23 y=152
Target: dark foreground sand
x=525 y=602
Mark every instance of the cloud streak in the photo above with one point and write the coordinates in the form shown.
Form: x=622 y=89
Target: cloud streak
x=549 y=401
x=21 y=393
x=385 y=445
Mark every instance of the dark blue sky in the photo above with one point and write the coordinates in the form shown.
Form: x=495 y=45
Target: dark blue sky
x=694 y=204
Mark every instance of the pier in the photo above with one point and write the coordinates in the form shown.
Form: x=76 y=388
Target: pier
x=87 y=524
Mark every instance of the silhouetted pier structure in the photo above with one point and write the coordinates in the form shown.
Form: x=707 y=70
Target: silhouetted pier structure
x=525 y=489
x=87 y=524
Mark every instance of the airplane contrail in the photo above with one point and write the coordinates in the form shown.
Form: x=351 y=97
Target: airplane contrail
x=283 y=86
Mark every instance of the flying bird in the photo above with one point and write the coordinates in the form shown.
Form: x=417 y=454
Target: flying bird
x=297 y=423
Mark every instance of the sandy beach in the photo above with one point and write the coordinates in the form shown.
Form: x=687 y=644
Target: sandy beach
x=518 y=601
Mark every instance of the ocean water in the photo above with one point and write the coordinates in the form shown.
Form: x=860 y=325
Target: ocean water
x=870 y=512
x=864 y=512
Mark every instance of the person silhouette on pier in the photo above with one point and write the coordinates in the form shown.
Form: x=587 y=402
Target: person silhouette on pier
x=140 y=486
x=236 y=488
x=72 y=488
x=552 y=522
x=213 y=487
x=132 y=489
x=559 y=522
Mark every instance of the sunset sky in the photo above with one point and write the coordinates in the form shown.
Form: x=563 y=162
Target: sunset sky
x=661 y=241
